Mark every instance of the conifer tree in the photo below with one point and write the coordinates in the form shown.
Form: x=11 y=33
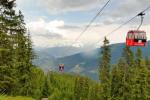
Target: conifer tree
x=140 y=82
x=120 y=89
x=147 y=62
x=16 y=53
x=76 y=89
x=128 y=56
x=7 y=23
x=104 y=70
x=45 y=92
x=95 y=92
x=81 y=89
x=138 y=57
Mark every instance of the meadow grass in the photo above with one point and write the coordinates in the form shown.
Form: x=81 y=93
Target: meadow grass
x=15 y=98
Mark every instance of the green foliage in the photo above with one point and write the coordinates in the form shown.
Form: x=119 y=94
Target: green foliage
x=15 y=98
x=37 y=83
x=138 y=57
x=105 y=70
x=81 y=88
x=128 y=56
x=95 y=92
x=129 y=79
x=60 y=86
x=18 y=76
x=119 y=84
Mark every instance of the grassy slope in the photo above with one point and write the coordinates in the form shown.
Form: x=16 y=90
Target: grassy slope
x=15 y=98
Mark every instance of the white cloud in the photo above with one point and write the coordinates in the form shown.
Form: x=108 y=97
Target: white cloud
x=57 y=32
x=42 y=27
x=48 y=34
x=55 y=6
x=126 y=9
x=20 y=2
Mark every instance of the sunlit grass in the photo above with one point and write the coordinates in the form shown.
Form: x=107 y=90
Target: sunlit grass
x=15 y=98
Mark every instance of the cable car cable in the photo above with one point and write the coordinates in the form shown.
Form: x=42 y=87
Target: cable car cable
x=111 y=31
x=94 y=18
x=86 y=28
x=122 y=24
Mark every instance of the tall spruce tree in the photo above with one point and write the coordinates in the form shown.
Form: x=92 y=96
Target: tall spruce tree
x=16 y=53
x=147 y=62
x=45 y=92
x=81 y=90
x=140 y=82
x=128 y=56
x=138 y=57
x=119 y=84
x=104 y=70
x=95 y=92
x=7 y=25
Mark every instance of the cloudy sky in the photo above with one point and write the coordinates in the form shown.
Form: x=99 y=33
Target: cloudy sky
x=59 y=22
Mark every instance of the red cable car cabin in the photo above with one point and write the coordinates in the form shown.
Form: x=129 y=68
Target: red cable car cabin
x=61 y=67
x=136 y=38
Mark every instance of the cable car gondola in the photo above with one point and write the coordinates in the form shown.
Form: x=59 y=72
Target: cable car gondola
x=61 y=67
x=136 y=38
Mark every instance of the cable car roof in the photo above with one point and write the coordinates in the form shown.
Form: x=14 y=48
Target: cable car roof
x=136 y=31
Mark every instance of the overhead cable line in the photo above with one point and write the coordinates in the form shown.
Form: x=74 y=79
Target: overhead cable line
x=122 y=25
x=90 y=23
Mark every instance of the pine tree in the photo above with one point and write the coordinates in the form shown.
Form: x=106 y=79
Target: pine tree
x=16 y=52
x=120 y=87
x=8 y=22
x=95 y=92
x=76 y=89
x=128 y=56
x=104 y=72
x=85 y=89
x=140 y=82
x=138 y=57
x=45 y=92
x=81 y=89
x=147 y=62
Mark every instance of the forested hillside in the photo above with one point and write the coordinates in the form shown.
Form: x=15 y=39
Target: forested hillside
x=18 y=76
x=85 y=63
x=126 y=79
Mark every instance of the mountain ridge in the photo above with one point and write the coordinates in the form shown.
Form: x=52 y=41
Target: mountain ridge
x=85 y=63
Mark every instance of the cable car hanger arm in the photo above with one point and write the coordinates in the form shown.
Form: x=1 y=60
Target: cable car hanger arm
x=142 y=18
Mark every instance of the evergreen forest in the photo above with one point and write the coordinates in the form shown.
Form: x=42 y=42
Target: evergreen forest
x=20 y=79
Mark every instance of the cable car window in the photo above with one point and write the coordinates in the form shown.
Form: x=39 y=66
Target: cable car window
x=136 y=36
x=130 y=36
x=142 y=36
x=139 y=37
x=145 y=36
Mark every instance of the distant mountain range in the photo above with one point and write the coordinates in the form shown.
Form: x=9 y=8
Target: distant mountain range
x=79 y=61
